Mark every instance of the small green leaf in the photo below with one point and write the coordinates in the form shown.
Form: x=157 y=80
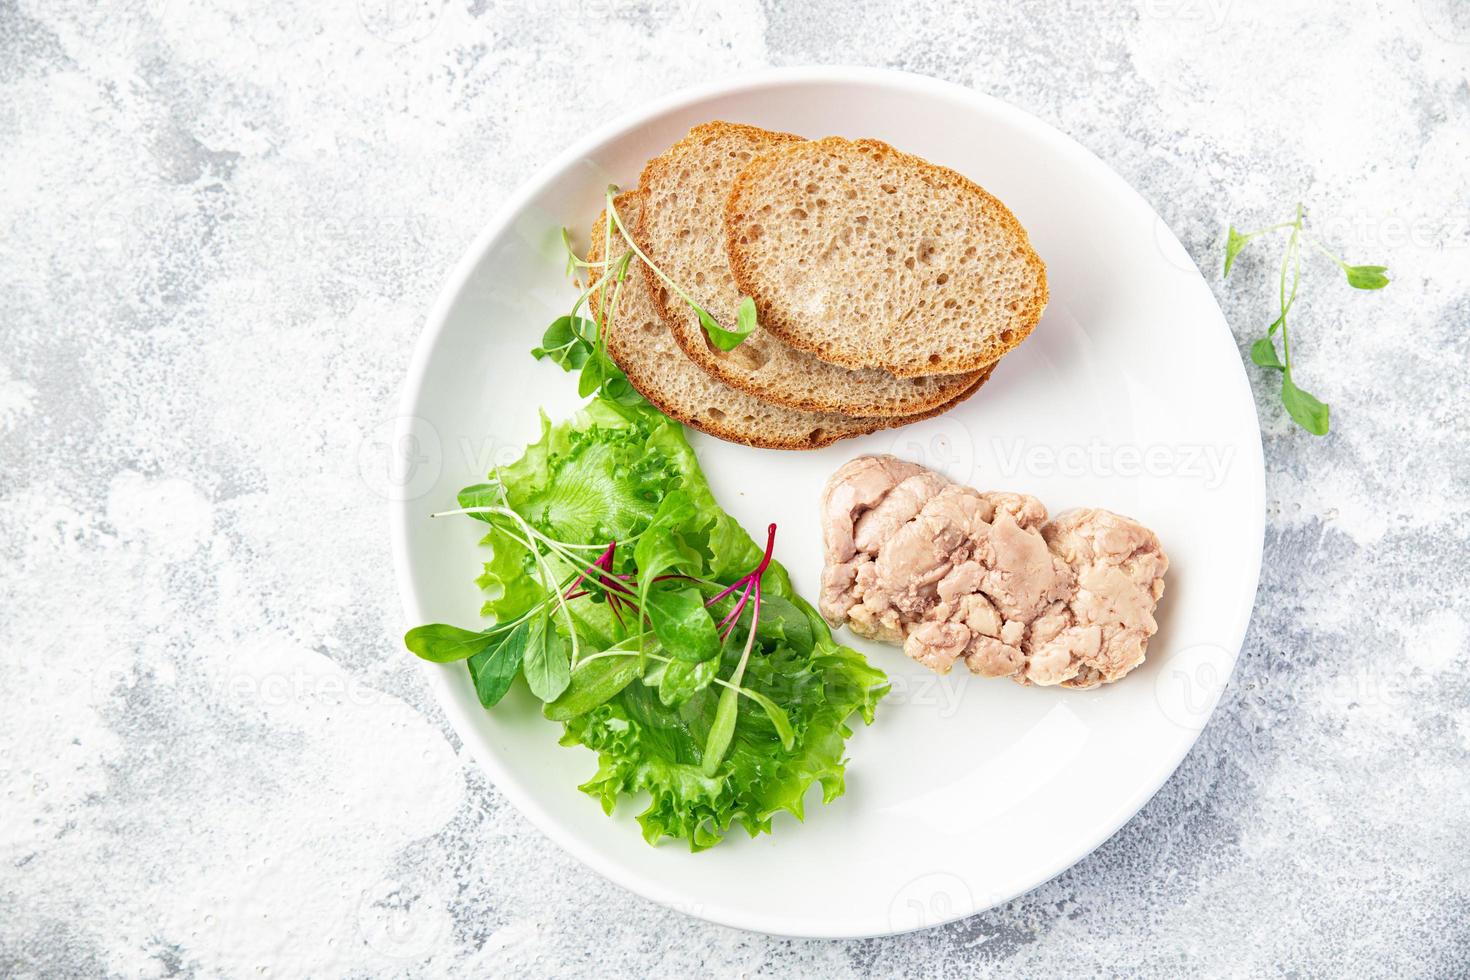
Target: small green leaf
x=494 y=668
x=594 y=373
x=745 y=316
x=1233 y=244
x=1276 y=325
x=594 y=682
x=480 y=495
x=682 y=624
x=676 y=508
x=1366 y=276
x=779 y=721
x=1263 y=352
x=680 y=680
x=723 y=729
x=621 y=390
x=548 y=671
x=728 y=339
x=441 y=644
x=568 y=342
x=601 y=375
x=781 y=622
x=660 y=553
x=660 y=548
x=1304 y=408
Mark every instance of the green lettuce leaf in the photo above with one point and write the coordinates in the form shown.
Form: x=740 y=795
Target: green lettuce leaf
x=509 y=577
x=644 y=745
x=611 y=473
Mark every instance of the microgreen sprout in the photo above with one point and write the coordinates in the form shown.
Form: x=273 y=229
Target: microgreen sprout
x=529 y=642
x=527 y=639
x=576 y=342
x=1304 y=408
x=598 y=572
x=723 y=729
x=722 y=337
x=779 y=720
x=579 y=343
x=616 y=588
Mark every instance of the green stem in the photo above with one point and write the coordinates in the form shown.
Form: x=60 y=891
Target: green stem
x=612 y=307
x=509 y=512
x=572 y=259
x=541 y=566
x=582 y=299
x=1291 y=258
x=627 y=237
x=613 y=650
x=732 y=686
x=722 y=730
x=1323 y=249
x=604 y=263
x=1263 y=231
x=499 y=628
x=618 y=266
x=544 y=569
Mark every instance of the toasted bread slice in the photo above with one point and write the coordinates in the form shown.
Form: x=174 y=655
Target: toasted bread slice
x=684 y=192
x=868 y=257
x=640 y=344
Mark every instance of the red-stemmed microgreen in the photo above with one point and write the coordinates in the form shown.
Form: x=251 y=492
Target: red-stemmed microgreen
x=528 y=643
x=1303 y=407
x=611 y=585
x=723 y=728
x=733 y=616
x=534 y=541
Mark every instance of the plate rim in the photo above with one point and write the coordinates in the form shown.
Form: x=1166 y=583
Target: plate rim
x=438 y=676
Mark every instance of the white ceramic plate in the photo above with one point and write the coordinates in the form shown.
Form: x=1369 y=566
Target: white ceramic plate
x=1130 y=395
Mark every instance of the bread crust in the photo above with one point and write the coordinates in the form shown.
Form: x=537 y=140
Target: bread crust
x=789 y=329
x=833 y=393
x=818 y=439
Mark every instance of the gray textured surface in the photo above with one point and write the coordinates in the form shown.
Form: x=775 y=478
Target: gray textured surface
x=221 y=230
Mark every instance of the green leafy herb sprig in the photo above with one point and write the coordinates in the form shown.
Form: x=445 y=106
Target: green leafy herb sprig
x=578 y=344
x=1305 y=408
x=528 y=644
x=680 y=623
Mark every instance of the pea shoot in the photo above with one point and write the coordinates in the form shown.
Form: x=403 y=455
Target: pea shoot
x=1305 y=409
x=577 y=343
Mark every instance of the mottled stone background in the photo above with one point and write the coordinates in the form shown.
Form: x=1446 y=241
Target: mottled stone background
x=223 y=224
